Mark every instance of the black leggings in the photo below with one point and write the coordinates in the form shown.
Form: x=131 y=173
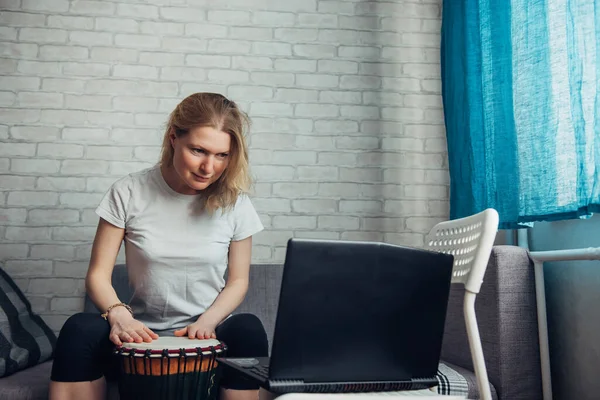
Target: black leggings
x=84 y=352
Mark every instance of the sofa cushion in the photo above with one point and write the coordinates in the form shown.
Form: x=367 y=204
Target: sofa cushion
x=32 y=384
x=29 y=384
x=25 y=339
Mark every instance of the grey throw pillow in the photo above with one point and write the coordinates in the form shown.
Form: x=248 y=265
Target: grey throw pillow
x=25 y=339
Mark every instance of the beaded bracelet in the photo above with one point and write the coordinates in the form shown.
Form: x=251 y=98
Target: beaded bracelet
x=105 y=315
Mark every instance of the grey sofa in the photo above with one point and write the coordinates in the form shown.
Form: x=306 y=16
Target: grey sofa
x=505 y=309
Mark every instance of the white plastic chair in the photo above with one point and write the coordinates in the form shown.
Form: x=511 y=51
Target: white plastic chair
x=470 y=241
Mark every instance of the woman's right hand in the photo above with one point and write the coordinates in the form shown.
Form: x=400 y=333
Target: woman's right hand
x=125 y=329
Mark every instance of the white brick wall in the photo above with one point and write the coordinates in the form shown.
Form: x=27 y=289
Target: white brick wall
x=347 y=139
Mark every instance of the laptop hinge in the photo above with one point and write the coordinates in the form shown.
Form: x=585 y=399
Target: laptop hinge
x=288 y=385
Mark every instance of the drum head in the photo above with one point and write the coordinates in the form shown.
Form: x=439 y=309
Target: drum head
x=174 y=343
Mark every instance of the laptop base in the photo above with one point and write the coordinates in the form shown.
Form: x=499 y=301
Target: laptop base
x=255 y=369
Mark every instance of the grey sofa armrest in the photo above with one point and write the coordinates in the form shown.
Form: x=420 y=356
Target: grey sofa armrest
x=262 y=298
x=507 y=319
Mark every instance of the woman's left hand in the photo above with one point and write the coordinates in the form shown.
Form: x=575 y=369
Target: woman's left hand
x=201 y=329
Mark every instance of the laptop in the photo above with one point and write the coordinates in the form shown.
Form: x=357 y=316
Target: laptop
x=355 y=316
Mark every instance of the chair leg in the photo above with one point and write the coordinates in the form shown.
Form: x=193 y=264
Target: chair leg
x=540 y=292
x=475 y=346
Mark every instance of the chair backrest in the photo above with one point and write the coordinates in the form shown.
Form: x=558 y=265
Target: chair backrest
x=470 y=241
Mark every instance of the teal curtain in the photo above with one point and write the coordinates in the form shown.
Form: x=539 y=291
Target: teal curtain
x=521 y=94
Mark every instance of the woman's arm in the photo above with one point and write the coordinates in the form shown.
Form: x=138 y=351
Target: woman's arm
x=230 y=297
x=98 y=284
x=236 y=286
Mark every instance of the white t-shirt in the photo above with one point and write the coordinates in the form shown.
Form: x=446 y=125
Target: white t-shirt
x=176 y=254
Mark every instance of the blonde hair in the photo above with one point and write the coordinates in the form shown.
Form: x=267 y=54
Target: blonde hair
x=215 y=111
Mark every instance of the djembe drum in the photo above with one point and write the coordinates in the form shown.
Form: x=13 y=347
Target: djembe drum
x=175 y=368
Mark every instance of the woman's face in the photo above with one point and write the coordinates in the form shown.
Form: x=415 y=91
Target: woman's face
x=199 y=158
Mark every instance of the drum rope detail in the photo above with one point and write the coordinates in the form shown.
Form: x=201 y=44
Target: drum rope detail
x=170 y=373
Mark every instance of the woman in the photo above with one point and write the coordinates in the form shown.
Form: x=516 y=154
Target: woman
x=184 y=222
